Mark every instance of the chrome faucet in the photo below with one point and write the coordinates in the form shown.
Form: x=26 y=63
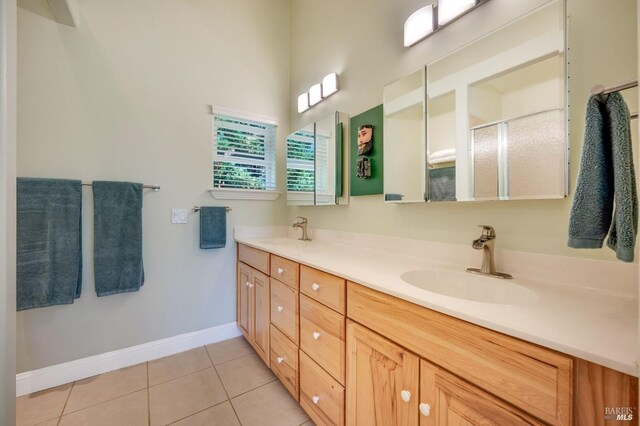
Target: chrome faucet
x=486 y=243
x=302 y=224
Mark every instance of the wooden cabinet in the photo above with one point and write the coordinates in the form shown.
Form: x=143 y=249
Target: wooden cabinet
x=253 y=308
x=446 y=400
x=321 y=396
x=382 y=380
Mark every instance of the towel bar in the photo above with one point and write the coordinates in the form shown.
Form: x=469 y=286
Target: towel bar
x=197 y=208
x=156 y=188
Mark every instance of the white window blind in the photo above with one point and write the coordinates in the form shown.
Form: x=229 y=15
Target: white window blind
x=300 y=162
x=243 y=153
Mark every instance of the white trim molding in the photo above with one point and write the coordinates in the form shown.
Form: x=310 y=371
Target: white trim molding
x=48 y=377
x=243 y=194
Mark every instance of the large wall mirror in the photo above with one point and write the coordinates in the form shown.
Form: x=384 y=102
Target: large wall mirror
x=404 y=138
x=315 y=163
x=497 y=114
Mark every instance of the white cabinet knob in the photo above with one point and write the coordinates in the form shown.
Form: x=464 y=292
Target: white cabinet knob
x=315 y=287
x=405 y=395
x=280 y=359
x=316 y=335
x=315 y=399
x=425 y=409
x=248 y=284
x=280 y=308
x=280 y=270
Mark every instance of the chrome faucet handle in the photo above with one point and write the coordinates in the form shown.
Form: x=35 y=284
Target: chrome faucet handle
x=487 y=231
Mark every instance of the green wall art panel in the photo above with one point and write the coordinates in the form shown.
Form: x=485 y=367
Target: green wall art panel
x=372 y=183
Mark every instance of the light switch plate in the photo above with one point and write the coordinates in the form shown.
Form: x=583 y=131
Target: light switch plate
x=178 y=215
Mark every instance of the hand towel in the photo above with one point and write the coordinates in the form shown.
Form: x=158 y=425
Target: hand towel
x=213 y=227
x=450 y=152
x=117 y=247
x=592 y=206
x=49 y=242
x=624 y=227
x=442 y=184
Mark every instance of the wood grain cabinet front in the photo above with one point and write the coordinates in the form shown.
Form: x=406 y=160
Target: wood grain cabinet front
x=321 y=396
x=325 y=288
x=286 y=271
x=253 y=257
x=322 y=336
x=382 y=380
x=253 y=291
x=284 y=310
x=284 y=361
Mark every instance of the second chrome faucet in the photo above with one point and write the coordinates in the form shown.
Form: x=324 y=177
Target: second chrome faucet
x=486 y=243
x=302 y=224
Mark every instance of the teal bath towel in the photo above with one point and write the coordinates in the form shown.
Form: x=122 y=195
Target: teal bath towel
x=49 y=242
x=624 y=227
x=117 y=248
x=606 y=171
x=213 y=227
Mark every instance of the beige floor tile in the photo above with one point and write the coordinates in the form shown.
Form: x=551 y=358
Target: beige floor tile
x=228 y=350
x=53 y=422
x=243 y=374
x=220 y=415
x=41 y=406
x=168 y=368
x=269 y=405
x=186 y=395
x=105 y=387
x=309 y=423
x=130 y=410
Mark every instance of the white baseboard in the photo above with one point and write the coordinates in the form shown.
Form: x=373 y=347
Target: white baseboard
x=48 y=377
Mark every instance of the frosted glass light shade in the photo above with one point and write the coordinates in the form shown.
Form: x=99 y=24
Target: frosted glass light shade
x=315 y=94
x=329 y=85
x=418 y=25
x=450 y=9
x=303 y=102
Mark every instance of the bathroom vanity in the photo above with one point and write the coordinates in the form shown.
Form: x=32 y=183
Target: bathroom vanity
x=355 y=347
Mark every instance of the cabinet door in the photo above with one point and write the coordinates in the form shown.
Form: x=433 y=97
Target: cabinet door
x=262 y=302
x=382 y=380
x=446 y=400
x=245 y=301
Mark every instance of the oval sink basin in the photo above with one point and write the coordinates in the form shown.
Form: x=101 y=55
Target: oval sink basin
x=462 y=285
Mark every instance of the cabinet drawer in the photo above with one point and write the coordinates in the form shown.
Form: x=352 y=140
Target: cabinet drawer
x=284 y=360
x=257 y=258
x=284 y=309
x=285 y=271
x=320 y=395
x=325 y=288
x=322 y=336
x=534 y=379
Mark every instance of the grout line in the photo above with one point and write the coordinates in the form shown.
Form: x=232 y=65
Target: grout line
x=107 y=400
x=258 y=387
x=235 y=359
x=148 y=398
x=177 y=377
x=65 y=403
x=197 y=412
x=224 y=388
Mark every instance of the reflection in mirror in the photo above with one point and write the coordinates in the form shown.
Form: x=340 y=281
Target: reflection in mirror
x=315 y=175
x=404 y=139
x=496 y=114
x=301 y=167
x=326 y=161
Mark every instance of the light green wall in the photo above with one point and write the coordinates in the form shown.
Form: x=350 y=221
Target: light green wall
x=123 y=97
x=362 y=41
x=7 y=211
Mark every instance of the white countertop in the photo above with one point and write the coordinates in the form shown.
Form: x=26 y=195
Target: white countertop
x=585 y=321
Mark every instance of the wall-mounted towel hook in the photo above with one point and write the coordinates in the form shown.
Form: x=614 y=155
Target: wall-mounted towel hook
x=197 y=208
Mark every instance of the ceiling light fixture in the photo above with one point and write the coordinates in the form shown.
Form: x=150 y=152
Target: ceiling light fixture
x=451 y=9
x=418 y=25
x=329 y=85
x=303 y=102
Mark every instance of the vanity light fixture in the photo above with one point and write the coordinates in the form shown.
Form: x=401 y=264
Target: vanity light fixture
x=432 y=18
x=318 y=92
x=315 y=94
x=451 y=9
x=303 y=102
x=419 y=25
x=329 y=85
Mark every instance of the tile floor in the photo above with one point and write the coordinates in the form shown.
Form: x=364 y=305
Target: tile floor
x=225 y=383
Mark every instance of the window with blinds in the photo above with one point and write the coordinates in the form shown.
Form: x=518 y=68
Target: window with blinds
x=243 y=153
x=300 y=161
